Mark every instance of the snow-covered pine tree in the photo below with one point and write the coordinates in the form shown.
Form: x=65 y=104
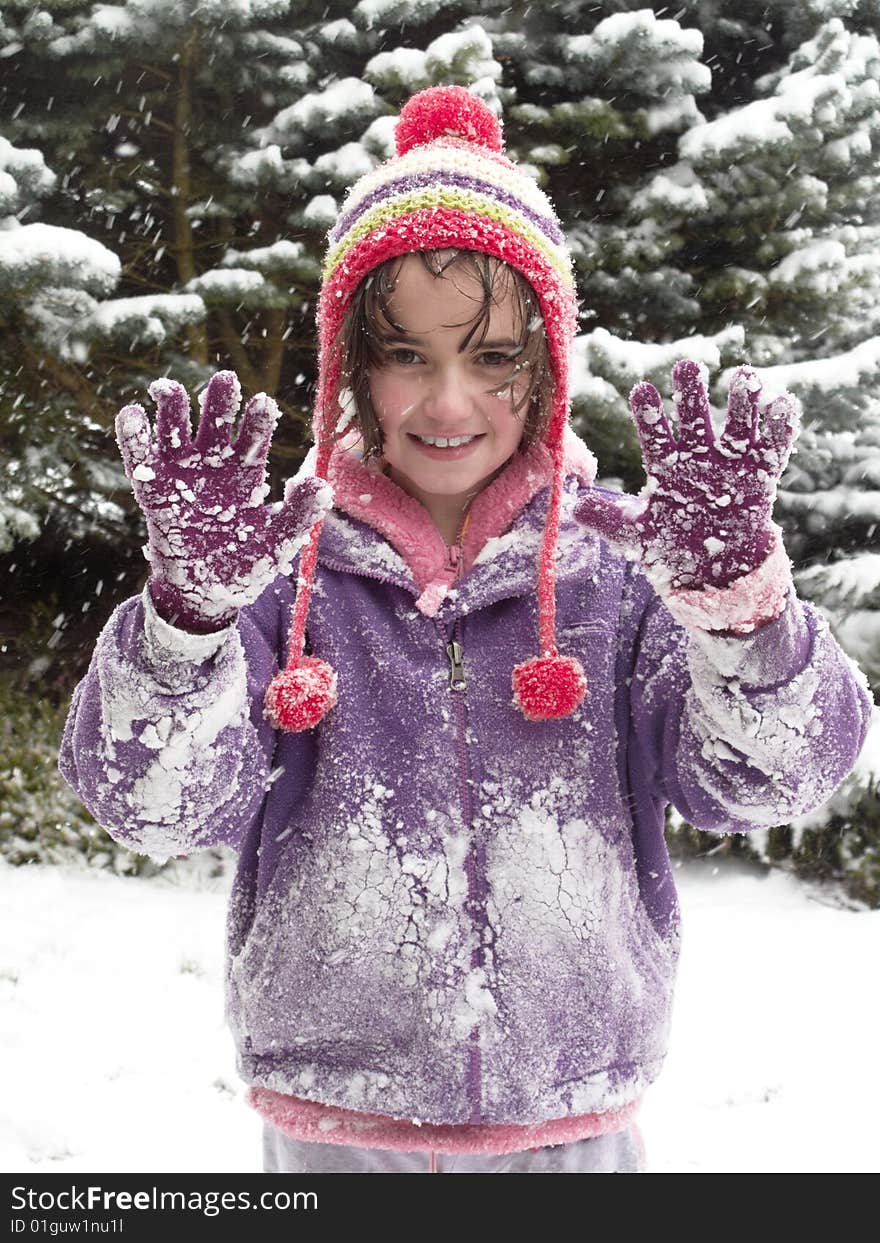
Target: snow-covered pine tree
x=781 y=235
x=131 y=103
x=49 y=277
x=46 y=274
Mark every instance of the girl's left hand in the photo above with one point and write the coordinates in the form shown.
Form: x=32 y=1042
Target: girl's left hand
x=704 y=517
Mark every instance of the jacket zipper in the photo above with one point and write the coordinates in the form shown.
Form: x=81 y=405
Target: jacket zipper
x=457 y=676
x=458 y=683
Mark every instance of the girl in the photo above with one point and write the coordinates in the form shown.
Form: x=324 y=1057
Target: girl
x=453 y=933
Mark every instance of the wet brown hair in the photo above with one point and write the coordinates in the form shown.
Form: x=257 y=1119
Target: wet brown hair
x=363 y=335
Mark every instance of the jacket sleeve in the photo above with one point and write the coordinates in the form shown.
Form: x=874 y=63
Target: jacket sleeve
x=165 y=741
x=744 y=731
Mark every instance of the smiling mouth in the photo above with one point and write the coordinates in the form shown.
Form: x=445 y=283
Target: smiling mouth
x=445 y=442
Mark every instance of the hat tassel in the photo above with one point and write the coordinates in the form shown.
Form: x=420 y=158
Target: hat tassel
x=303 y=693
x=549 y=686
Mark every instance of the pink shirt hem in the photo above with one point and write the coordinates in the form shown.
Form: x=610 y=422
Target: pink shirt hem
x=329 y=1124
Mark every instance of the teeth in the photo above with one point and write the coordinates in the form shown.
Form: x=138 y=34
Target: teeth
x=443 y=442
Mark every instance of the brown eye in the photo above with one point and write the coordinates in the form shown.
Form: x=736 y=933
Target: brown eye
x=403 y=357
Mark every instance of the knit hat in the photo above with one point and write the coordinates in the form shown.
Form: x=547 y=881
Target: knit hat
x=449 y=185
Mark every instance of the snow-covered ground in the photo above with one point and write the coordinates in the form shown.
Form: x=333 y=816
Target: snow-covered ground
x=114 y=1056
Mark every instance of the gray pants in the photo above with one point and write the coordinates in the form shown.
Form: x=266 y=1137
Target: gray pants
x=621 y=1153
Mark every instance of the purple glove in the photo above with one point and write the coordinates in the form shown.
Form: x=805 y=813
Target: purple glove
x=213 y=545
x=704 y=517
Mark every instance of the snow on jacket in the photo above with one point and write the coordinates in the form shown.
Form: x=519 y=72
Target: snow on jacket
x=443 y=911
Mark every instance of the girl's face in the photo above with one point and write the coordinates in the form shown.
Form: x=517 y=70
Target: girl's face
x=432 y=387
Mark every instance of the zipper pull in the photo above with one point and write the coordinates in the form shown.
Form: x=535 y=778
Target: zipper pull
x=457 y=679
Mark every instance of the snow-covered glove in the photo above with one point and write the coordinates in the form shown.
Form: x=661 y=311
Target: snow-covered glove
x=703 y=520
x=213 y=545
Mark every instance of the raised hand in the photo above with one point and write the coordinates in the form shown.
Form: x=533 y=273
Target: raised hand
x=704 y=517
x=213 y=545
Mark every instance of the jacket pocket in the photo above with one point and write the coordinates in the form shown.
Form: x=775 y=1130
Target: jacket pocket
x=584 y=628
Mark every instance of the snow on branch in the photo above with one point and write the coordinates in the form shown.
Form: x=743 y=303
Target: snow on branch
x=666 y=55
x=828 y=102
x=36 y=255
x=824 y=267
x=850 y=583
x=225 y=284
x=150 y=319
x=393 y=12
x=281 y=256
x=345 y=165
x=464 y=55
x=266 y=168
x=349 y=99
x=677 y=190
x=15 y=523
x=24 y=177
x=625 y=363
x=855 y=368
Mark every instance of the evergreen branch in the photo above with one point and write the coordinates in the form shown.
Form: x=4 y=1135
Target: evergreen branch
x=232 y=343
x=183 y=244
x=55 y=499
x=154 y=69
x=274 y=349
x=68 y=378
x=131 y=115
x=137 y=278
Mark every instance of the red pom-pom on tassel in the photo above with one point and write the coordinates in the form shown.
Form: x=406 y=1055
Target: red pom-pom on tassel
x=548 y=687
x=299 y=698
x=442 y=111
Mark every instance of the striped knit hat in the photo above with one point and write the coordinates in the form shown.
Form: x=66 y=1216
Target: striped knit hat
x=449 y=185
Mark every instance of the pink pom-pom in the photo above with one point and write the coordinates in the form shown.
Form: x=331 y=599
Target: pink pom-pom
x=297 y=699
x=548 y=687
x=446 y=111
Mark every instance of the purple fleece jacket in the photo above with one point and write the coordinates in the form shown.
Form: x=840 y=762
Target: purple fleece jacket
x=444 y=911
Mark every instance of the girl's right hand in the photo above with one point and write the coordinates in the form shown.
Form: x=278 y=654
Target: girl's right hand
x=213 y=545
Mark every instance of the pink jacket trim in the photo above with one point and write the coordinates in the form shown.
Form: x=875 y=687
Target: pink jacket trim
x=744 y=605
x=329 y=1124
x=363 y=491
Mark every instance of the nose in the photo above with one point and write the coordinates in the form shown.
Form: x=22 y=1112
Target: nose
x=449 y=400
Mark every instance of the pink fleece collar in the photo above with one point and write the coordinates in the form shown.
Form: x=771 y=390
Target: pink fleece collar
x=331 y=1124
x=364 y=492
